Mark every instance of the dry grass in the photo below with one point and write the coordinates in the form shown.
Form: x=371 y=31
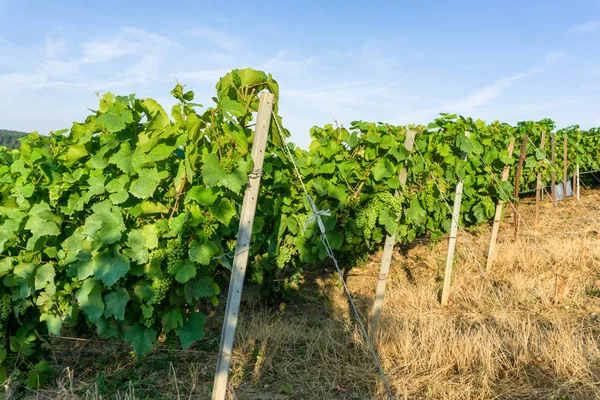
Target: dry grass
x=542 y=342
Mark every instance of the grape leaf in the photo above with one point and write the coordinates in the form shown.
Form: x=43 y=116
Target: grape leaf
x=172 y=319
x=41 y=222
x=53 y=322
x=137 y=251
x=184 y=271
x=192 y=330
x=223 y=211
x=89 y=297
x=122 y=159
x=141 y=339
x=415 y=212
x=214 y=175
x=197 y=288
x=232 y=107
x=115 y=303
x=115 y=119
x=105 y=329
x=44 y=276
x=203 y=253
x=382 y=169
x=150 y=233
x=147 y=181
x=110 y=266
x=201 y=195
x=105 y=225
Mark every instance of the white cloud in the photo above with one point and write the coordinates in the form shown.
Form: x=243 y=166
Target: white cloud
x=95 y=66
x=488 y=93
x=484 y=95
x=129 y=41
x=554 y=57
x=286 y=63
x=586 y=27
x=36 y=80
x=55 y=48
x=217 y=38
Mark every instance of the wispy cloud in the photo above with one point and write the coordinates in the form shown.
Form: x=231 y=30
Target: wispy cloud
x=286 y=63
x=490 y=92
x=554 y=57
x=217 y=38
x=387 y=87
x=36 y=80
x=586 y=27
x=83 y=65
x=55 y=48
x=129 y=41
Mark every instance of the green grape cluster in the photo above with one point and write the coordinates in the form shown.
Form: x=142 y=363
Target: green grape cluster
x=284 y=257
x=403 y=231
x=63 y=305
x=161 y=287
x=148 y=322
x=390 y=201
x=366 y=217
x=175 y=252
x=228 y=165
x=158 y=254
x=210 y=224
x=5 y=306
x=348 y=235
x=428 y=199
x=302 y=221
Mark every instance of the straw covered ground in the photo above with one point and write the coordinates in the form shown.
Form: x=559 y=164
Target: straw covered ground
x=530 y=330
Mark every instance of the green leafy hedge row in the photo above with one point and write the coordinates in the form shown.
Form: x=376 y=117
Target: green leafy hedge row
x=122 y=223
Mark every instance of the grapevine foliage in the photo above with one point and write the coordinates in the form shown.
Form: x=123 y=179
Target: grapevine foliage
x=123 y=223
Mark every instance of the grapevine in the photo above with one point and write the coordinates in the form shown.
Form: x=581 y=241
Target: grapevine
x=156 y=196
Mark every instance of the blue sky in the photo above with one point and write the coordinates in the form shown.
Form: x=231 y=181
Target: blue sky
x=399 y=62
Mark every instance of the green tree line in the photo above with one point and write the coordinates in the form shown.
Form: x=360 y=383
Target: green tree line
x=10 y=139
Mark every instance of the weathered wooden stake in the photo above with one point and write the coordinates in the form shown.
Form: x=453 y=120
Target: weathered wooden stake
x=517 y=216
x=498 y=215
x=553 y=168
x=453 y=232
x=240 y=259
x=565 y=168
x=578 y=183
x=388 y=251
x=538 y=187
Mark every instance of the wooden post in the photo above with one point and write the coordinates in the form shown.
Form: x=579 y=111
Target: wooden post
x=453 y=232
x=554 y=168
x=498 y=215
x=388 y=251
x=240 y=259
x=538 y=187
x=565 y=168
x=578 y=182
x=517 y=216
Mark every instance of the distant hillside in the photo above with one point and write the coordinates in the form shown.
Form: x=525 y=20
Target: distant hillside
x=10 y=138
